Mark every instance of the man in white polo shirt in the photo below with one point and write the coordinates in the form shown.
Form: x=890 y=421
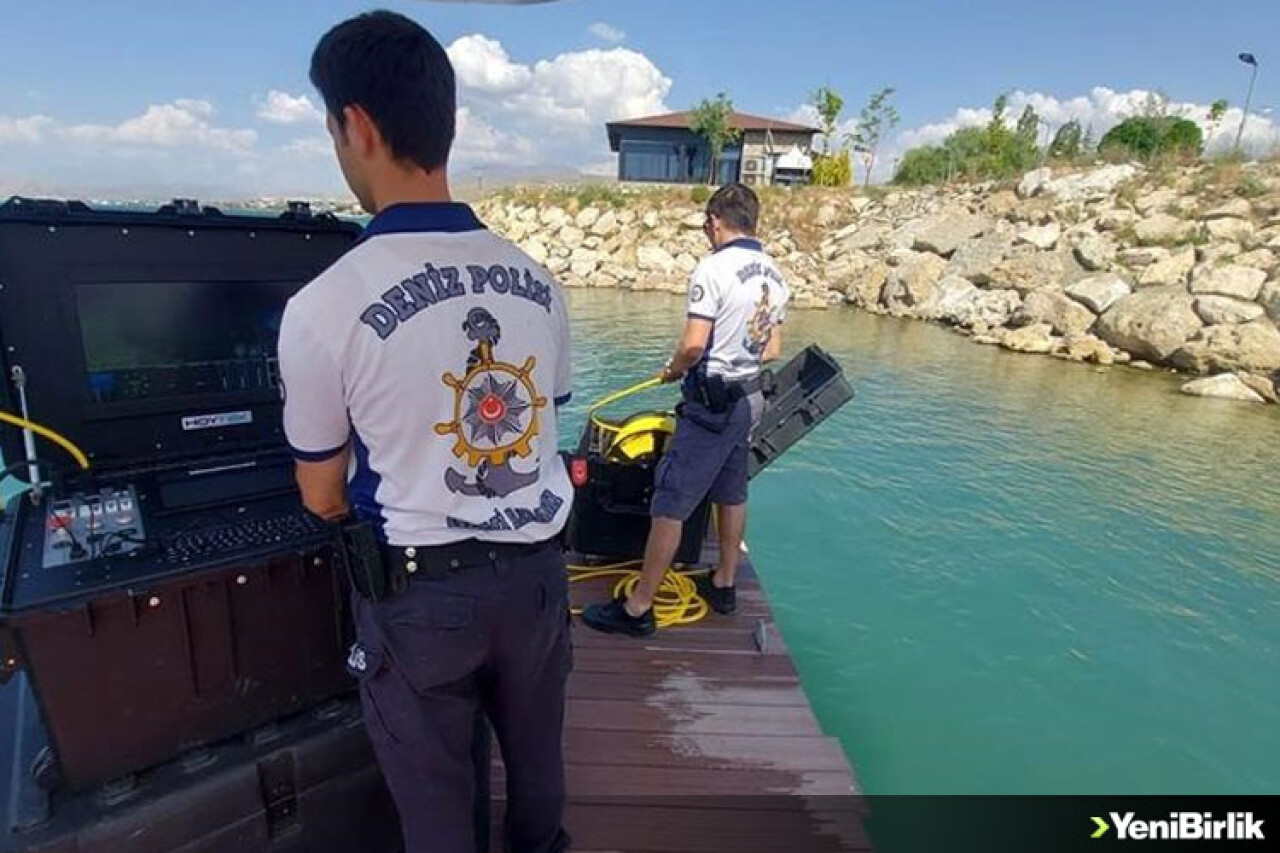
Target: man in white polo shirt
x=422 y=372
x=737 y=303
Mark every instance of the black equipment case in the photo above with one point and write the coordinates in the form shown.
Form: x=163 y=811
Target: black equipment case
x=807 y=390
x=610 y=518
x=148 y=339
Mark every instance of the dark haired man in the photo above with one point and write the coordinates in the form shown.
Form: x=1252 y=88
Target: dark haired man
x=737 y=302
x=430 y=359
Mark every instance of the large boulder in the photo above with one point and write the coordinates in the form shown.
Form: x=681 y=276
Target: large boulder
x=1051 y=306
x=553 y=218
x=1155 y=200
x=1036 y=338
x=1173 y=270
x=952 y=301
x=1223 y=310
x=859 y=236
x=651 y=258
x=1248 y=346
x=1086 y=347
x=866 y=283
x=1044 y=237
x=1117 y=219
x=606 y=225
x=1228 y=280
x=1095 y=252
x=1260 y=259
x=1152 y=323
x=912 y=282
x=1099 y=292
x=1269 y=299
x=1230 y=229
x=1140 y=257
x=1163 y=229
x=992 y=308
x=976 y=259
x=1224 y=386
x=1236 y=208
x=944 y=233
x=1034 y=181
x=1026 y=271
x=1089 y=186
x=571 y=236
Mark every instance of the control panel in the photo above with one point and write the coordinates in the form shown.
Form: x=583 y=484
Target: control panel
x=92 y=525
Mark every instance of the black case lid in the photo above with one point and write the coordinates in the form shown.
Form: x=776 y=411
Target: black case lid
x=50 y=249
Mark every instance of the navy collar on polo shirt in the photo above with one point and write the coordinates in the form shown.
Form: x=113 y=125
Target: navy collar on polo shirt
x=743 y=243
x=450 y=217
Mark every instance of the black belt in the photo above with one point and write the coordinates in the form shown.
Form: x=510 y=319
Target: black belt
x=405 y=563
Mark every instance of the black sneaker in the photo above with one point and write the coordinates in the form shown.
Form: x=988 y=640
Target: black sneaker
x=723 y=600
x=613 y=618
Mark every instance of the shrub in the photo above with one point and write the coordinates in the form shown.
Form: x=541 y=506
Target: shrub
x=1148 y=137
x=832 y=170
x=700 y=195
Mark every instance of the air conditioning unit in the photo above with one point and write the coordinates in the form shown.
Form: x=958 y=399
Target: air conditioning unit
x=751 y=165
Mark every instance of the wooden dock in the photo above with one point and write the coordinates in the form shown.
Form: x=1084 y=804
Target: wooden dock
x=700 y=738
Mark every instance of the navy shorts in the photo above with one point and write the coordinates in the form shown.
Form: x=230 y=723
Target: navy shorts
x=701 y=461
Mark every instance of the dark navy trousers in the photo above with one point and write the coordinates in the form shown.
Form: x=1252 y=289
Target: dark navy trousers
x=492 y=639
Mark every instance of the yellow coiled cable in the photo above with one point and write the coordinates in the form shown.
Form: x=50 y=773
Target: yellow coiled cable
x=677 y=601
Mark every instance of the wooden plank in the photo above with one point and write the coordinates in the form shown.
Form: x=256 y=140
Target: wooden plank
x=682 y=718
x=772 y=789
x=640 y=685
x=710 y=752
x=729 y=640
x=620 y=658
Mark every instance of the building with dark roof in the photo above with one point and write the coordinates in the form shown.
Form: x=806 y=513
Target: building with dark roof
x=664 y=149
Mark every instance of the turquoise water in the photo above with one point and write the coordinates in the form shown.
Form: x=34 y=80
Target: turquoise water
x=1010 y=574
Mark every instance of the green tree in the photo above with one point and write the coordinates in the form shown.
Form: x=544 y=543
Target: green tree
x=1150 y=136
x=712 y=121
x=995 y=151
x=829 y=105
x=1217 y=112
x=1029 y=125
x=877 y=119
x=1068 y=142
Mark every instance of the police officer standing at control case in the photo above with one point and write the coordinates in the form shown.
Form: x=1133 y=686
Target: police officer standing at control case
x=737 y=302
x=430 y=360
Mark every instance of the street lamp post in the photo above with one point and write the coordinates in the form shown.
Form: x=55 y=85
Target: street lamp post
x=1247 y=59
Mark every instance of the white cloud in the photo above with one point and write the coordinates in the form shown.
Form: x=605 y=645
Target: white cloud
x=607 y=32
x=185 y=122
x=482 y=65
x=481 y=144
x=282 y=108
x=25 y=129
x=309 y=147
x=553 y=111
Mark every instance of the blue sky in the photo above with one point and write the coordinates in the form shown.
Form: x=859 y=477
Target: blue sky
x=161 y=96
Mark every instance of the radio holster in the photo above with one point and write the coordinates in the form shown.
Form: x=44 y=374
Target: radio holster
x=367 y=567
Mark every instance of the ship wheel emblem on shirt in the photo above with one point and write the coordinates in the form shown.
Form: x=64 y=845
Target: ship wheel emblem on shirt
x=495 y=415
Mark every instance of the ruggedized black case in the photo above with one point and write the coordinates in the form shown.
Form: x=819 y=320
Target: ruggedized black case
x=134 y=662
